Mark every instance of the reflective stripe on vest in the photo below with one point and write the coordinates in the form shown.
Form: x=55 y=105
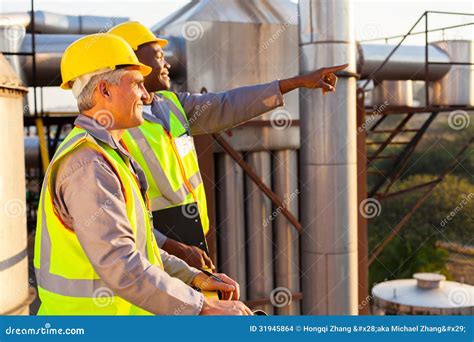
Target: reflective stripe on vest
x=173 y=179
x=67 y=282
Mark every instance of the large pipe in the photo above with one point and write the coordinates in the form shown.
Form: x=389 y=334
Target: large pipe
x=328 y=163
x=407 y=63
x=231 y=220
x=259 y=231
x=287 y=270
x=15 y=294
x=56 y=23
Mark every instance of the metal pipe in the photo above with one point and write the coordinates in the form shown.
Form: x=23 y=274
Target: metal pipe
x=285 y=171
x=407 y=63
x=362 y=235
x=256 y=179
x=231 y=220
x=328 y=163
x=56 y=23
x=258 y=210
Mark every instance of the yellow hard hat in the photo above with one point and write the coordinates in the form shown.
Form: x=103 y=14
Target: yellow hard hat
x=95 y=52
x=136 y=34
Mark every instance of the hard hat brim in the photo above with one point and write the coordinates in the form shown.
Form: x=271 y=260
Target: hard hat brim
x=160 y=41
x=145 y=70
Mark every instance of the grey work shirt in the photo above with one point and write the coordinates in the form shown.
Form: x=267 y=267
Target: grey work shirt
x=88 y=196
x=214 y=112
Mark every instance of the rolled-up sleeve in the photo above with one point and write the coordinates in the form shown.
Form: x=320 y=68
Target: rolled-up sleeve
x=214 y=112
x=89 y=195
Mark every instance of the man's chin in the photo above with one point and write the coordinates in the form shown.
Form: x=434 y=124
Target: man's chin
x=137 y=120
x=165 y=85
x=140 y=119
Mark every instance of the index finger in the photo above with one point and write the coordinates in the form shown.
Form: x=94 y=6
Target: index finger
x=336 y=68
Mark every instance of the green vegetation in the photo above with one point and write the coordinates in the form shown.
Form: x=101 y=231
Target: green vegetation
x=447 y=215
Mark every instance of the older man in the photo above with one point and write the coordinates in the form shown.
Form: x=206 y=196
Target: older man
x=95 y=252
x=164 y=147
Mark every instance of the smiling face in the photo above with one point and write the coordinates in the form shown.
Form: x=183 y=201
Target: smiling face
x=125 y=100
x=152 y=54
x=132 y=93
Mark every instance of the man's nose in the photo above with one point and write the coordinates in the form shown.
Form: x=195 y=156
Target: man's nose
x=145 y=96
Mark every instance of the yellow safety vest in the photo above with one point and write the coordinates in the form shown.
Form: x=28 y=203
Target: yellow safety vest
x=169 y=160
x=67 y=282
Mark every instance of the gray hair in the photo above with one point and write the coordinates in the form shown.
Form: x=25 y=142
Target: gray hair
x=85 y=100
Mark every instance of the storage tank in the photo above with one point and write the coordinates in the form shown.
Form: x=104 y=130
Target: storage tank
x=425 y=294
x=14 y=284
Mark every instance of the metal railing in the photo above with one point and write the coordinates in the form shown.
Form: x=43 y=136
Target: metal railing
x=426 y=32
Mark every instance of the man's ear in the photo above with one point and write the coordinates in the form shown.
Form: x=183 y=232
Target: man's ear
x=104 y=90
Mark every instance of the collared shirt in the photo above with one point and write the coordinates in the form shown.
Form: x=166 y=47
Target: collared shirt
x=214 y=112
x=88 y=197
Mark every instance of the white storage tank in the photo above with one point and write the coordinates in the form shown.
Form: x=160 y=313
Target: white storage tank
x=426 y=294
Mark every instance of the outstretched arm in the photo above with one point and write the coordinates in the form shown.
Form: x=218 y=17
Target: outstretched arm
x=214 y=112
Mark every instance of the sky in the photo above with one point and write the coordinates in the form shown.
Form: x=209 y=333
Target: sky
x=372 y=19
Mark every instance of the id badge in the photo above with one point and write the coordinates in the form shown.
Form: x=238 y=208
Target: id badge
x=184 y=145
